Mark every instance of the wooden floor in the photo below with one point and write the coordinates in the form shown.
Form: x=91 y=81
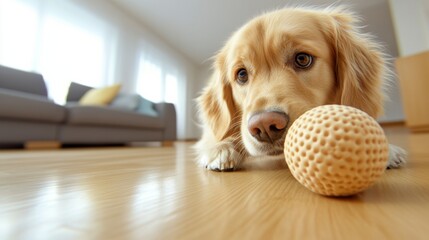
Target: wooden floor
x=159 y=193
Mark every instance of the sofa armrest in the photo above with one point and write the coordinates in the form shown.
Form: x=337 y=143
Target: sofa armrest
x=167 y=112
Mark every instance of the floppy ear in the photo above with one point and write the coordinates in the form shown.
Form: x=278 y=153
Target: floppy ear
x=359 y=66
x=216 y=103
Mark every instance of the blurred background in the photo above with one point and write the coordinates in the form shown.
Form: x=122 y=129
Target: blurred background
x=161 y=49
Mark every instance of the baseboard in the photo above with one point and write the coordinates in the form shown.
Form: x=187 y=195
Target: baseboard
x=419 y=129
x=393 y=124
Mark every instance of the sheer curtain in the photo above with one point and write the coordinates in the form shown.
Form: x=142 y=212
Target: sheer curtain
x=56 y=38
x=163 y=84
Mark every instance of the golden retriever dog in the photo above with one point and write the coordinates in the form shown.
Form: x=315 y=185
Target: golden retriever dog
x=275 y=68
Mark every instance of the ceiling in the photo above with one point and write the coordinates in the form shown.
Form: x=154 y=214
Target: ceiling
x=198 y=28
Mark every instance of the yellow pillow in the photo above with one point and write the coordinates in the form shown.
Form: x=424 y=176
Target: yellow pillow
x=100 y=96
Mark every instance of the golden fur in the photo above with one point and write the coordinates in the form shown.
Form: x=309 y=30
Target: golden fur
x=348 y=69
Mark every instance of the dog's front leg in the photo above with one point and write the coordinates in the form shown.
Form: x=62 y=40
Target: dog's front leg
x=397 y=157
x=226 y=155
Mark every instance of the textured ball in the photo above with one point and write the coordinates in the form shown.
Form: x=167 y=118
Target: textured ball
x=336 y=150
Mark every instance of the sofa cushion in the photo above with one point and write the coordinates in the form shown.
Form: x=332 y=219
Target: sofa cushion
x=76 y=91
x=108 y=116
x=136 y=103
x=146 y=107
x=100 y=96
x=22 y=81
x=126 y=101
x=25 y=106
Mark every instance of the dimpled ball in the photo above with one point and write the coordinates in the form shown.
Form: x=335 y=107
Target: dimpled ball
x=336 y=150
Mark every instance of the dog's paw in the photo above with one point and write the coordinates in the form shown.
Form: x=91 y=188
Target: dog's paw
x=397 y=157
x=222 y=158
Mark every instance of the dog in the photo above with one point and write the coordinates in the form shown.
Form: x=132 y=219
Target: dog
x=275 y=68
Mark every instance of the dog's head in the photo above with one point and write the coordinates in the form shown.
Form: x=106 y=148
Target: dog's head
x=284 y=63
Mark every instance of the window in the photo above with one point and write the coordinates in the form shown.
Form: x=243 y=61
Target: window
x=171 y=89
x=59 y=40
x=150 y=81
x=155 y=84
x=19 y=24
x=70 y=54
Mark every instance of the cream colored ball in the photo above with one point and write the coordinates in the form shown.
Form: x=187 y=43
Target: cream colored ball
x=336 y=150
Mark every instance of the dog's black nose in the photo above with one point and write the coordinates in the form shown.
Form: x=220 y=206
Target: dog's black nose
x=268 y=126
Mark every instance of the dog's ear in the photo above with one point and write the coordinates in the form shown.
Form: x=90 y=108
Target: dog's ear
x=216 y=103
x=359 y=66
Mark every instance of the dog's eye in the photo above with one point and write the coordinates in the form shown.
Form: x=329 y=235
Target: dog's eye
x=242 y=76
x=303 y=60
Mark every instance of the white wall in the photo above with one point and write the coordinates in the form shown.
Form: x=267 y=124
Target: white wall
x=377 y=20
x=203 y=76
x=411 y=21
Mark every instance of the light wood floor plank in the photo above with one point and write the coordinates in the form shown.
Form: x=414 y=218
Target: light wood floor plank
x=159 y=193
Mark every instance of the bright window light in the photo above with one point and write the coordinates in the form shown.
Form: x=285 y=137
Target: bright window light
x=18 y=40
x=171 y=89
x=70 y=54
x=150 y=80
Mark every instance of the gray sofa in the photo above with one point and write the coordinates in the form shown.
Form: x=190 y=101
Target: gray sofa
x=28 y=115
